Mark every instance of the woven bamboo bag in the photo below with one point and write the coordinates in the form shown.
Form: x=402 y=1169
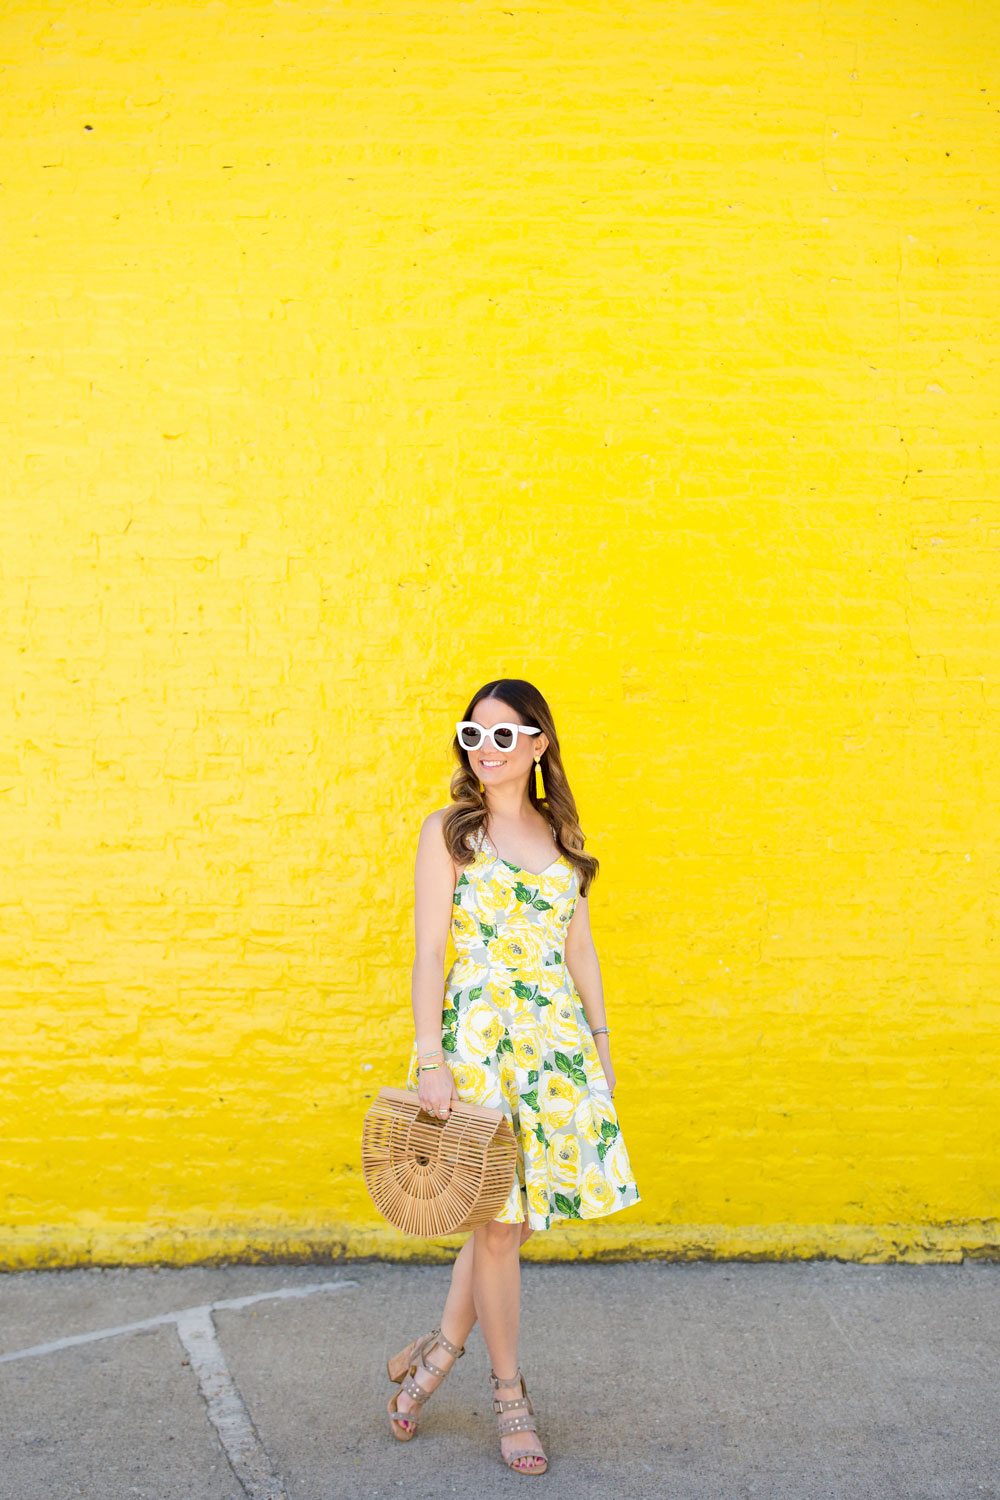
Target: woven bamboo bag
x=434 y=1177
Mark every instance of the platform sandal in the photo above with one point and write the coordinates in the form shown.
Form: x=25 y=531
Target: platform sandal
x=528 y=1456
x=403 y=1368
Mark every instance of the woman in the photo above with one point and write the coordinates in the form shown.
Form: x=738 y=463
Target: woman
x=522 y=1029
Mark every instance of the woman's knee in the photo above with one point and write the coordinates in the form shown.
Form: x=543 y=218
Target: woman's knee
x=499 y=1238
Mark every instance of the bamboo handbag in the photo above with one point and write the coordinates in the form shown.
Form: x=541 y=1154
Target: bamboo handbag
x=435 y=1177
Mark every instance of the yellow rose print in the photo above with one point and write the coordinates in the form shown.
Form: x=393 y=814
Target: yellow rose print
x=538 y=952
x=516 y=1039
x=565 y=1159
x=464 y=926
x=508 y=1082
x=617 y=1165
x=586 y=1124
x=596 y=1193
x=526 y=1053
x=466 y=970
x=470 y=1080
x=562 y=1028
x=538 y=1198
x=501 y=898
x=482 y=1029
x=604 y=1110
x=558 y=1100
x=510 y=949
x=502 y=993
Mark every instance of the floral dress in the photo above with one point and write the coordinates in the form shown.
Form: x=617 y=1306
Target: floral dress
x=516 y=1037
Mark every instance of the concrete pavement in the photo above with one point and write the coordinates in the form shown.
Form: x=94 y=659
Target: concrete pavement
x=688 y=1381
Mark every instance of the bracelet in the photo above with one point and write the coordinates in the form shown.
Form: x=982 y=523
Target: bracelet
x=436 y=1053
x=427 y=1067
x=596 y=1030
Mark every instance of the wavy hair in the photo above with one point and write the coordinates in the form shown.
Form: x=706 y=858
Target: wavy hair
x=468 y=815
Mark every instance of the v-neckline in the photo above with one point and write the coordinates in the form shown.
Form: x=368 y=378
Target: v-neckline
x=521 y=869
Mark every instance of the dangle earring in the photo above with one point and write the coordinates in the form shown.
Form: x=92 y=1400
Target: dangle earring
x=539 y=783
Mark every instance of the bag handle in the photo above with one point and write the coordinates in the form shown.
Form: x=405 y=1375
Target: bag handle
x=458 y=1106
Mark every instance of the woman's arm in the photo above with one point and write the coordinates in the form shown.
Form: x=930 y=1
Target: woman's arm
x=581 y=960
x=434 y=888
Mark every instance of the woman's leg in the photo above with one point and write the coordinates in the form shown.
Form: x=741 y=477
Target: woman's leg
x=457 y=1321
x=496 y=1289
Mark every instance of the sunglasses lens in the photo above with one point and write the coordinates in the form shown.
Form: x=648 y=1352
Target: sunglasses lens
x=504 y=738
x=469 y=738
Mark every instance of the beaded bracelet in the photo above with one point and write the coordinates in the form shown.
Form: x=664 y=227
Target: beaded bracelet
x=596 y=1030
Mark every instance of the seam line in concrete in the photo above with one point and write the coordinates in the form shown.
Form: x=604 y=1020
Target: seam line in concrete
x=224 y=1303
x=227 y=1411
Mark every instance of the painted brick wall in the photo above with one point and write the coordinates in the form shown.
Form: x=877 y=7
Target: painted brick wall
x=356 y=354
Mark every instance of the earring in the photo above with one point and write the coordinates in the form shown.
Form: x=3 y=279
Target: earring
x=481 y=787
x=539 y=783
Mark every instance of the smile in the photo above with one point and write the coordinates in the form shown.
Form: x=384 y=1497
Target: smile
x=492 y=763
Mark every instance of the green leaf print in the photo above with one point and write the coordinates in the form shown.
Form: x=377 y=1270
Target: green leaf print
x=579 y=1077
x=602 y=1149
x=568 y=1206
x=475 y=992
x=546 y=1066
x=449 y=1041
x=563 y=1063
x=449 y=1016
x=578 y=1059
x=623 y=1187
x=541 y=905
x=524 y=893
x=540 y=1135
x=462 y=880
x=531 y=1098
x=532 y=1075
x=609 y=1130
x=486 y=931
x=525 y=992
x=505 y=1044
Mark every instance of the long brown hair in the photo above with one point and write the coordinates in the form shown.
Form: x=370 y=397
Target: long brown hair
x=558 y=807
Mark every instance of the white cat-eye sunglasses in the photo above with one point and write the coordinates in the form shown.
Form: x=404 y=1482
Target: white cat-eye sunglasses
x=504 y=736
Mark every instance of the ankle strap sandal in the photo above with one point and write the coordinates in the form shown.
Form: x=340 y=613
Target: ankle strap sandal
x=403 y=1368
x=527 y=1460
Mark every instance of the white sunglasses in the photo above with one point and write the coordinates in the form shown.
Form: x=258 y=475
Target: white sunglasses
x=504 y=736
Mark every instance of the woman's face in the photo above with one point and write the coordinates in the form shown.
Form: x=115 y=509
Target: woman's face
x=494 y=766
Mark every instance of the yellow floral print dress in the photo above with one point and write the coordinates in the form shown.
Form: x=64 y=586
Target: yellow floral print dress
x=516 y=1036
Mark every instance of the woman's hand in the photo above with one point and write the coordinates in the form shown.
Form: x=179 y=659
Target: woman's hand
x=603 y=1046
x=436 y=1090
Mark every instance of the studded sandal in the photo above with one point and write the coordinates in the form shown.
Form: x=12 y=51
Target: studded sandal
x=529 y=1456
x=403 y=1368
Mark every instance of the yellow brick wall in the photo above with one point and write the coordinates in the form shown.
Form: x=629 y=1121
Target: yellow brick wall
x=356 y=354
